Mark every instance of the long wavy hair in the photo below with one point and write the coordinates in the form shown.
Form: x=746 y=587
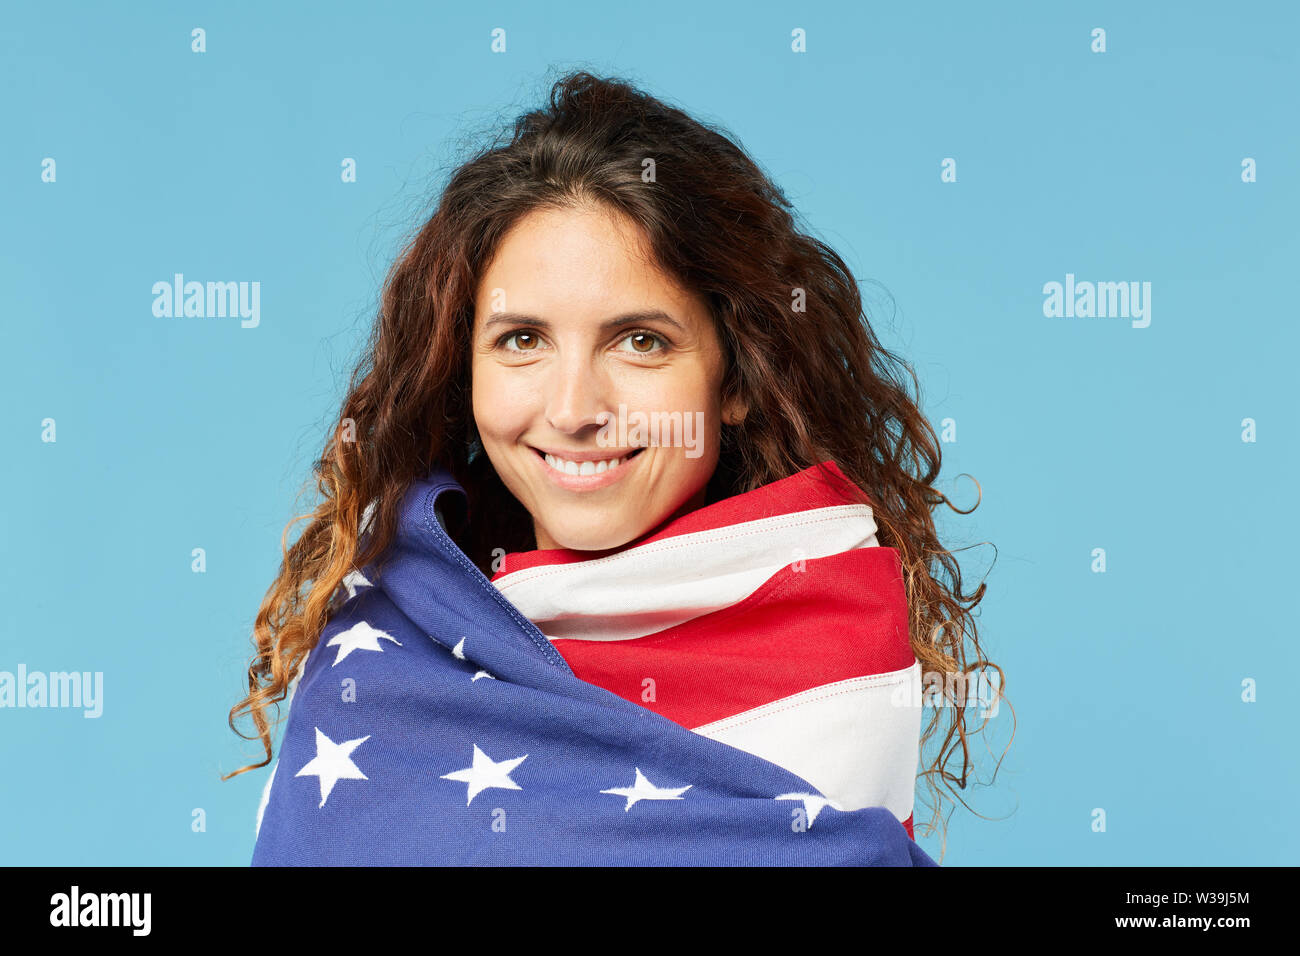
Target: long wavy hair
x=817 y=382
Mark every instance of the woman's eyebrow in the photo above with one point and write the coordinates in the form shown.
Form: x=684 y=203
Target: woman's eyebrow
x=627 y=318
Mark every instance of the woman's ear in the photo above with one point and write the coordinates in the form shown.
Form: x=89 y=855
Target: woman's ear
x=734 y=410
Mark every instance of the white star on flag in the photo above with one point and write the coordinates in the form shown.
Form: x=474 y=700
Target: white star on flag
x=367 y=515
x=643 y=789
x=359 y=637
x=480 y=674
x=353 y=580
x=332 y=763
x=812 y=804
x=485 y=773
x=458 y=650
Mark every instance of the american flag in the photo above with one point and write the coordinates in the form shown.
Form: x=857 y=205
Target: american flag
x=736 y=689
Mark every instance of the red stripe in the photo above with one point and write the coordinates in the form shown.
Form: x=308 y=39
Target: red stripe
x=843 y=616
x=803 y=491
x=907 y=825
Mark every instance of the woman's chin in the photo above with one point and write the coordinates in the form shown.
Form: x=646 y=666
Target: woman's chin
x=594 y=539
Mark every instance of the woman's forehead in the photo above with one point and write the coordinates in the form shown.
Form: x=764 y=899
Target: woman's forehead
x=581 y=269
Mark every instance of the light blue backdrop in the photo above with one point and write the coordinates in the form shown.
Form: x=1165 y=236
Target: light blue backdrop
x=1084 y=433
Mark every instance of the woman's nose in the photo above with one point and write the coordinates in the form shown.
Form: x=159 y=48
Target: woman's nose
x=576 y=395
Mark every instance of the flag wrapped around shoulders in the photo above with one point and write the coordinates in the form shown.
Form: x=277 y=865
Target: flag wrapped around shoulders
x=445 y=719
x=772 y=621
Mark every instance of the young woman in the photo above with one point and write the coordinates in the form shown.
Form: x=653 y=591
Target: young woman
x=626 y=533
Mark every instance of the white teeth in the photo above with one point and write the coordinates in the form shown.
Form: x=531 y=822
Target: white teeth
x=583 y=468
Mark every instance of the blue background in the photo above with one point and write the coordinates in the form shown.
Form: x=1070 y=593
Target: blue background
x=1083 y=433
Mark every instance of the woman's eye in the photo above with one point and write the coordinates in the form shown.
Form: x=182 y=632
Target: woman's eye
x=640 y=339
x=526 y=337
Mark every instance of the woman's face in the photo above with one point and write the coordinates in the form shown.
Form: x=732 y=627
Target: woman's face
x=555 y=346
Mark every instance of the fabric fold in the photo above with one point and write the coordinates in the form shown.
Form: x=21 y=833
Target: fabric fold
x=772 y=621
x=436 y=724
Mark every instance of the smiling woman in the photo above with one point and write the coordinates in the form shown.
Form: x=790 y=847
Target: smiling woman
x=543 y=388
x=720 y=614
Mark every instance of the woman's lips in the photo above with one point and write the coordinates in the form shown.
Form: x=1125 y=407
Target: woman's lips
x=586 y=482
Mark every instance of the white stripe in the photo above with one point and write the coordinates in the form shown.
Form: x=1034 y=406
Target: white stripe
x=659 y=585
x=856 y=741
